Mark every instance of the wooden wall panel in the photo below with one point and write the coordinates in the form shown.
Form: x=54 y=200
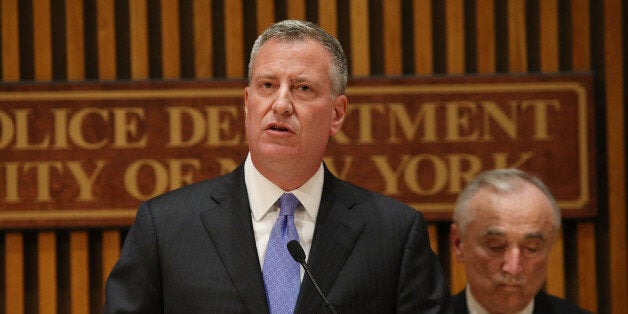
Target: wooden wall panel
x=615 y=89
x=393 y=62
x=328 y=16
x=296 y=9
x=138 y=42
x=265 y=14
x=203 y=39
x=586 y=237
x=517 y=50
x=485 y=36
x=50 y=271
x=234 y=49
x=106 y=30
x=423 y=37
x=79 y=241
x=107 y=58
x=454 y=30
x=170 y=39
x=359 y=56
x=548 y=45
x=13 y=254
x=14 y=272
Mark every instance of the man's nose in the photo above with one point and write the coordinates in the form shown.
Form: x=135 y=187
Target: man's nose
x=283 y=103
x=512 y=261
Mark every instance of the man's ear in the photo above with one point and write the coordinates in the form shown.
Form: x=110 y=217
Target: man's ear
x=455 y=239
x=339 y=110
x=246 y=100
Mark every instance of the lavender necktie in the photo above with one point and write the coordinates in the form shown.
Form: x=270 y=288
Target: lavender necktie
x=281 y=272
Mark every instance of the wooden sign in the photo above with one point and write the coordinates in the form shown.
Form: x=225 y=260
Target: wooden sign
x=86 y=154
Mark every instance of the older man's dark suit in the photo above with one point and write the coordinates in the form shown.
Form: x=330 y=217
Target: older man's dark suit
x=193 y=251
x=543 y=304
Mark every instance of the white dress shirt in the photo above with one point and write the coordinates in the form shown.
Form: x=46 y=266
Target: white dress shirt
x=263 y=199
x=475 y=307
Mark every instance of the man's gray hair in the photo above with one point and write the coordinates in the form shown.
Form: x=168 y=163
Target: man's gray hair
x=500 y=181
x=294 y=30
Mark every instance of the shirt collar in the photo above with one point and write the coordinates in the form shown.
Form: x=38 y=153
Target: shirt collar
x=475 y=307
x=265 y=193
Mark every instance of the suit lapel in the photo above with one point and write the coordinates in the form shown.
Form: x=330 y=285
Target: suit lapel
x=337 y=230
x=228 y=223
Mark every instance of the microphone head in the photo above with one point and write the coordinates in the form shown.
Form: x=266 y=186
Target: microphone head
x=296 y=251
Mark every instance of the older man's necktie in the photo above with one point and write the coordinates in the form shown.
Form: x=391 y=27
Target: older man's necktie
x=281 y=272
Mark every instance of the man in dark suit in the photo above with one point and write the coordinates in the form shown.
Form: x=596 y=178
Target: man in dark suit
x=203 y=248
x=505 y=223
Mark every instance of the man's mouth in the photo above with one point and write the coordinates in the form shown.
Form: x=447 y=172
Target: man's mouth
x=278 y=128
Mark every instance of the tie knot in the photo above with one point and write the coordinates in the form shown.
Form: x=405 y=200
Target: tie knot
x=287 y=204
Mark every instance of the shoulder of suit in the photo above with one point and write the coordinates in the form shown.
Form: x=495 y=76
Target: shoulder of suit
x=349 y=192
x=558 y=304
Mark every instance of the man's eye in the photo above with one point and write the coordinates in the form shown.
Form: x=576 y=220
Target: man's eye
x=496 y=248
x=304 y=88
x=532 y=249
x=266 y=85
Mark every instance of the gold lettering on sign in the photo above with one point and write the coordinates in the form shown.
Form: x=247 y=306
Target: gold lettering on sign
x=215 y=125
x=84 y=181
x=399 y=116
x=127 y=133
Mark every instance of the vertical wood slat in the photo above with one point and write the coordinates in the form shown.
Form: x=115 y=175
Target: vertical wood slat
x=138 y=24
x=79 y=261
x=110 y=251
x=548 y=38
x=296 y=9
x=105 y=12
x=393 y=62
x=548 y=35
x=13 y=241
x=265 y=14
x=581 y=34
x=46 y=240
x=454 y=33
x=615 y=150
x=106 y=31
x=234 y=47
x=360 y=44
x=42 y=40
x=47 y=271
x=328 y=16
x=517 y=54
x=75 y=42
x=170 y=40
x=454 y=20
x=587 y=285
x=79 y=272
x=79 y=247
x=555 y=283
x=423 y=37
x=14 y=272
x=203 y=38
x=485 y=36
x=586 y=243
x=10 y=41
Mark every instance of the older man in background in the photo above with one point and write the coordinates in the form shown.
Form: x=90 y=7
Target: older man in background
x=505 y=223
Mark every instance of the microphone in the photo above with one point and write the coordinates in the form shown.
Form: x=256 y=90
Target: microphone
x=298 y=254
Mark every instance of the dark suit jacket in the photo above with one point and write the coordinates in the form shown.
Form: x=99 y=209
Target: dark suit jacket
x=543 y=304
x=193 y=251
